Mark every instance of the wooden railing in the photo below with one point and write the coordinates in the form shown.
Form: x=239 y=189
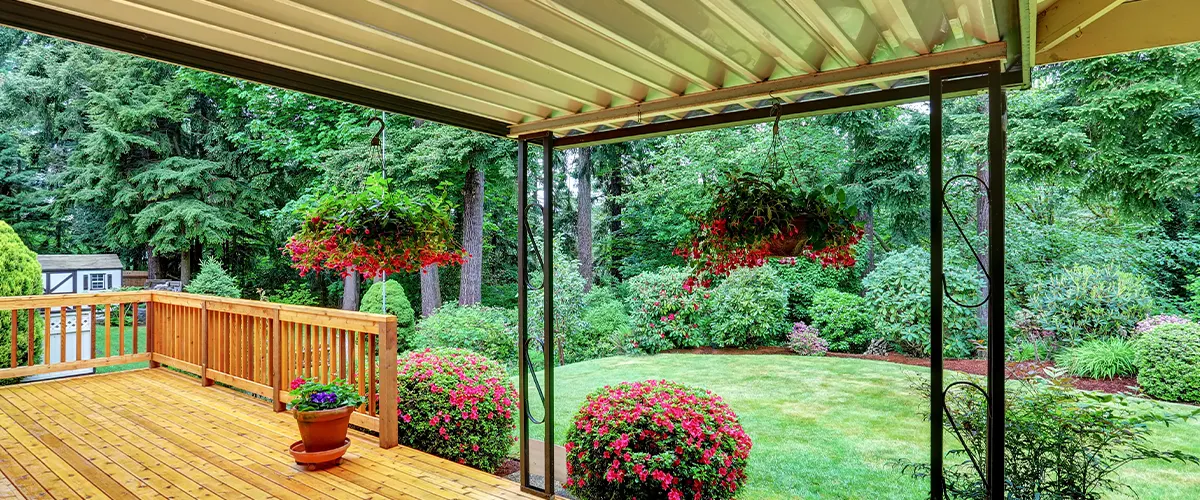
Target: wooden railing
x=257 y=347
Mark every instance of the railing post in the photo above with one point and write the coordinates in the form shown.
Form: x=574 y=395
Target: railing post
x=151 y=334
x=275 y=365
x=204 y=380
x=387 y=384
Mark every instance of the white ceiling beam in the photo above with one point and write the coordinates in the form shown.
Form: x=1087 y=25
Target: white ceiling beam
x=583 y=54
x=1141 y=25
x=767 y=41
x=586 y=22
x=977 y=18
x=919 y=26
x=829 y=31
x=707 y=48
x=274 y=22
x=1064 y=19
x=156 y=21
x=432 y=22
x=886 y=70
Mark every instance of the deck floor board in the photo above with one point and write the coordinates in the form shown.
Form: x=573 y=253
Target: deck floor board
x=155 y=434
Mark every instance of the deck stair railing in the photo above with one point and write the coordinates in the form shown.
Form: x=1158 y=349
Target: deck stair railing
x=257 y=347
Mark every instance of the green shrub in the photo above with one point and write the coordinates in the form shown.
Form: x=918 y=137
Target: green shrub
x=662 y=313
x=608 y=326
x=805 y=278
x=1085 y=302
x=1099 y=358
x=457 y=405
x=1168 y=361
x=397 y=305
x=748 y=309
x=213 y=280
x=490 y=331
x=1193 y=297
x=843 y=319
x=296 y=294
x=570 y=331
x=898 y=297
x=20 y=274
x=1060 y=443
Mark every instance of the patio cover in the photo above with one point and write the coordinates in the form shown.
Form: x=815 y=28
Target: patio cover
x=605 y=70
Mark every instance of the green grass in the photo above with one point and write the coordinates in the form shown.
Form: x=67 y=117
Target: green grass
x=115 y=334
x=830 y=427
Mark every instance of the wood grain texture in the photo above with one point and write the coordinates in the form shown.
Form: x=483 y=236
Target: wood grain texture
x=153 y=433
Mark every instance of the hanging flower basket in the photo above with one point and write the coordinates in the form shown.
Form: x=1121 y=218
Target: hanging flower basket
x=373 y=231
x=756 y=217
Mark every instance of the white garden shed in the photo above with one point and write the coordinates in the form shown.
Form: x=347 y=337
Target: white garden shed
x=80 y=273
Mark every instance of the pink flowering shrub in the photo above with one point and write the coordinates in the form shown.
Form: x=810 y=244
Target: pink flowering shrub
x=656 y=440
x=665 y=311
x=457 y=405
x=805 y=340
x=1150 y=323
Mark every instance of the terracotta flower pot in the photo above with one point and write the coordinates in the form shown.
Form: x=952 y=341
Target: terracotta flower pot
x=785 y=245
x=325 y=429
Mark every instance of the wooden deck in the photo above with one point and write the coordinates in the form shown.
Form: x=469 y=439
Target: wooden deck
x=155 y=434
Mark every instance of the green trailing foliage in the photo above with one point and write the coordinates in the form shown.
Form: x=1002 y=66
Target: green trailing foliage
x=1100 y=358
x=213 y=280
x=490 y=331
x=20 y=274
x=844 y=320
x=748 y=309
x=397 y=305
x=1168 y=361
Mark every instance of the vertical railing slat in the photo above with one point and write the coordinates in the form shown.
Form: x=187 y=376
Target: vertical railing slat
x=78 y=333
x=12 y=343
x=32 y=324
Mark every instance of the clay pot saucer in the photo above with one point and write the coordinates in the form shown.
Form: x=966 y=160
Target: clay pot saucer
x=318 y=459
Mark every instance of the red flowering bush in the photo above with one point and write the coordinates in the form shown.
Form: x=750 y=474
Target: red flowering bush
x=665 y=311
x=457 y=405
x=656 y=440
x=375 y=230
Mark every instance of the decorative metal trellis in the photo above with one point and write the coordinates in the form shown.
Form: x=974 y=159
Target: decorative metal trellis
x=991 y=471
x=525 y=366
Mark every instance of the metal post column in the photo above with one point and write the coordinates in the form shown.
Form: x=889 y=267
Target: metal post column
x=993 y=477
x=525 y=367
x=936 y=396
x=548 y=310
x=523 y=305
x=997 y=144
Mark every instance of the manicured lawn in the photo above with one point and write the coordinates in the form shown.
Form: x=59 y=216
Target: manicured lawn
x=115 y=338
x=829 y=427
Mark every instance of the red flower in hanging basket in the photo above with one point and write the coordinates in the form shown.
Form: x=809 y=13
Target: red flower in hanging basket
x=374 y=231
x=756 y=217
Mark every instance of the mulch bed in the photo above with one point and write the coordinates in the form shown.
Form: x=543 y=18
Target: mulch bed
x=1118 y=385
x=510 y=466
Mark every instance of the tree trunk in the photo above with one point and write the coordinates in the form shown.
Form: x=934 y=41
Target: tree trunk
x=615 y=186
x=185 y=267
x=982 y=215
x=431 y=290
x=350 y=292
x=470 y=288
x=867 y=217
x=583 y=227
x=153 y=264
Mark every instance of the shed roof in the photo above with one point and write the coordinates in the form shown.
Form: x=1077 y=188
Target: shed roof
x=79 y=262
